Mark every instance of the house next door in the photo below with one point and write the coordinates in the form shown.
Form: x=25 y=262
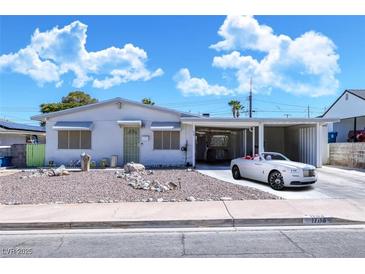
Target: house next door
x=131 y=144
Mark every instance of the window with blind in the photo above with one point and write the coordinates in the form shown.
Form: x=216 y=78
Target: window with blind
x=74 y=139
x=167 y=140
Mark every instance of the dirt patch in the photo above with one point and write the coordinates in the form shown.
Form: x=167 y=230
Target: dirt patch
x=104 y=186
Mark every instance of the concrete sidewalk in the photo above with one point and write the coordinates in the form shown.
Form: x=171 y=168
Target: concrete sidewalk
x=183 y=214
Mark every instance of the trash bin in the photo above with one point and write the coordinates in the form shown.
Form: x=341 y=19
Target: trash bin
x=332 y=136
x=5 y=161
x=114 y=160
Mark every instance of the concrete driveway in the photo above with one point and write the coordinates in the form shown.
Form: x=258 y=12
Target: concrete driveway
x=333 y=182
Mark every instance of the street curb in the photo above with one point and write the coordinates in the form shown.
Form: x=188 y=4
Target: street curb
x=306 y=221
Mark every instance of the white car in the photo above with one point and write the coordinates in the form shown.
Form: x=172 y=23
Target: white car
x=275 y=169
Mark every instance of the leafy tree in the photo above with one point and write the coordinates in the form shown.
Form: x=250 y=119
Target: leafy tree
x=148 y=101
x=73 y=99
x=236 y=108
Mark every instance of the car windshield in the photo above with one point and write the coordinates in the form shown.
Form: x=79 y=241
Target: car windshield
x=273 y=156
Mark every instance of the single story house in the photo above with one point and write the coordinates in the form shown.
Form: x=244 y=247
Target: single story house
x=14 y=133
x=158 y=136
x=350 y=109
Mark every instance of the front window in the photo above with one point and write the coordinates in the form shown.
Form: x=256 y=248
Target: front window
x=74 y=139
x=166 y=140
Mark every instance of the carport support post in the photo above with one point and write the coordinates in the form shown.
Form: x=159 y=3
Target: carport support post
x=318 y=145
x=261 y=138
x=253 y=141
x=193 y=146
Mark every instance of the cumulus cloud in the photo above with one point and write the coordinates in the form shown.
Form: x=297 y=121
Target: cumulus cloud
x=53 y=53
x=305 y=65
x=197 y=86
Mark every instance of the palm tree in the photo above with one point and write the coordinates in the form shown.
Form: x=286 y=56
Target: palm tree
x=236 y=108
x=148 y=101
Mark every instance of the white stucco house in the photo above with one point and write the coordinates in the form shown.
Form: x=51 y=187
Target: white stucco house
x=157 y=136
x=350 y=109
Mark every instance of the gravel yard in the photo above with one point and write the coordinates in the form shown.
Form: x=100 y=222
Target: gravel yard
x=104 y=186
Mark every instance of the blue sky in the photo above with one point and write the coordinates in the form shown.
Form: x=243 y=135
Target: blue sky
x=182 y=62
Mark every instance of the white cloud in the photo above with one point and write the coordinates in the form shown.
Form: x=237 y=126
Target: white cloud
x=58 y=51
x=305 y=65
x=197 y=86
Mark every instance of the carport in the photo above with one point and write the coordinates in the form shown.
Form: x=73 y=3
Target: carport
x=222 y=139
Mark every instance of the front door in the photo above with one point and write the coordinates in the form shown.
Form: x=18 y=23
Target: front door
x=131 y=144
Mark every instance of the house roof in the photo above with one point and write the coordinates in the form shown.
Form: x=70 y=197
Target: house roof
x=249 y=122
x=16 y=126
x=106 y=102
x=360 y=93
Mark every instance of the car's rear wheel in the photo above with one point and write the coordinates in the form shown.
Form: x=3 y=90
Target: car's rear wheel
x=276 y=180
x=236 y=173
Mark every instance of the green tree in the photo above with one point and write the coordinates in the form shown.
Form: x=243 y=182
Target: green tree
x=236 y=108
x=148 y=101
x=73 y=99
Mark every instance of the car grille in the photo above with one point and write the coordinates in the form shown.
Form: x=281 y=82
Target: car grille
x=308 y=173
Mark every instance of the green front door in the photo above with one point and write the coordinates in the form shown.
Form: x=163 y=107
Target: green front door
x=131 y=144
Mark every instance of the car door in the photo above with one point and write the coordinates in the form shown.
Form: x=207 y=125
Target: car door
x=258 y=169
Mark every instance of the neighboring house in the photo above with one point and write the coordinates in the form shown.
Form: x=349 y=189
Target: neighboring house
x=350 y=109
x=15 y=133
x=157 y=136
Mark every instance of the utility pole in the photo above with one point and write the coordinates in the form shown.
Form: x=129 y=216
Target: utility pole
x=308 y=112
x=250 y=100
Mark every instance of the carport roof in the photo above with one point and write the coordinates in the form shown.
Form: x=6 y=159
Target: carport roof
x=217 y=121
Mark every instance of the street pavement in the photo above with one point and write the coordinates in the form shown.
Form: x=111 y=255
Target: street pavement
x=333 y=183
x=274 y=242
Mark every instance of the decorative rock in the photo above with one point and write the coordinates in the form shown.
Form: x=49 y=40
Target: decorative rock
x=190 y=199
x=133 y=167
x=150 y=200
x=226 y=199
x=160 y=200
x=101 y=201
x=149 y=172
x=172 y=185
x=189 y=169
x=172 y=200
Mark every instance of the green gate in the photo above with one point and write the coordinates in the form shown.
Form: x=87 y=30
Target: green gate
x=35 y=155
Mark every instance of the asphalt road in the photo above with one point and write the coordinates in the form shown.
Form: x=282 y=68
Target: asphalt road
x=275 y=242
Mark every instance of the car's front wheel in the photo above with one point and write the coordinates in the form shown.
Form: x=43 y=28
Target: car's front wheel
x=276 y=180
x=236 y=173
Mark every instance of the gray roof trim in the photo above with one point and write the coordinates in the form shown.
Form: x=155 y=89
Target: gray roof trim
x=41 y=117
x=165 y=126
x=262 y=120
x=72 y=125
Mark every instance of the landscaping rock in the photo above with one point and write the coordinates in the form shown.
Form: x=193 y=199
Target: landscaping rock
x=226 y=199
x=172 y=185
x=190 y=199
x=160 y=200
x=133 y=167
